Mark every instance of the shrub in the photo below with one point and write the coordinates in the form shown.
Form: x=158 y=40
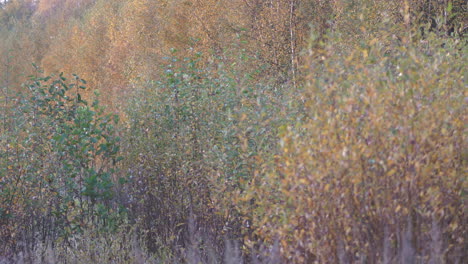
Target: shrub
x=375 y=174
x=60 y=160
x=194 y=141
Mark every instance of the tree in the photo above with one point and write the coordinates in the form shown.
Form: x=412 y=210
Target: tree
x=60 y=179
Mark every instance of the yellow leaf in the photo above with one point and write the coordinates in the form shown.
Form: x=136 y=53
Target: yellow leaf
x=365 y=54
x=392 y=171
x=453 y=226
x=398 y=209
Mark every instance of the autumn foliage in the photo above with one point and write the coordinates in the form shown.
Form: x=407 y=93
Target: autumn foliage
x=238 y=131
x=375 y=173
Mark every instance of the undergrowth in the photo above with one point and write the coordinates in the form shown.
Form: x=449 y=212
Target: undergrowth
x=360 y=159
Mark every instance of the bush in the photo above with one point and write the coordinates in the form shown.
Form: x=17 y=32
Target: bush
x=375 y=174
x=59 y=163
x=194 y=141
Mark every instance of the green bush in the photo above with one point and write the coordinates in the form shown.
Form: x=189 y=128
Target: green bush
x=195 y=140
x=60 y=161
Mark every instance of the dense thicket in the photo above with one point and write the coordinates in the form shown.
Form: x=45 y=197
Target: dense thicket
x=115 y=45
x=247 y=131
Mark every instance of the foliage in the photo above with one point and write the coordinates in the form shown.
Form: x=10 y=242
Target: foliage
x=376 y=173
x=115 y=44
x=59 y=161
x=194 y=141
x=280 y=131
